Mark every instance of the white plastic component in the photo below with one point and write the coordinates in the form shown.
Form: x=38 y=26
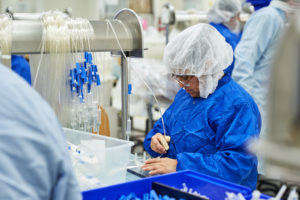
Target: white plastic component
x=280 y=193
x=293 y=195
x=144 y=156
x=255 y=195
x=128 y=129
x=108 y=163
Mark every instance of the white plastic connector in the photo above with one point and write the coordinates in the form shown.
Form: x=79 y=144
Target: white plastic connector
x=128 y=130
x=280 y=193
x=255 y=195
x=144 y=156
x=293 y=194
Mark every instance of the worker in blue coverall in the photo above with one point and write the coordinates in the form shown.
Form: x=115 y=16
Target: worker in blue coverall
x=225 y=17
x=211 y=120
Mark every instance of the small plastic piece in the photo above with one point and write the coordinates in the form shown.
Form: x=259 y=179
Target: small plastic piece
x=129 y=89
x=293 y=194
x=164 y=140
x=255 y=195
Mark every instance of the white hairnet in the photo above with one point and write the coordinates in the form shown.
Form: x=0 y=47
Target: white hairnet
x=201 y=51
x=223 y=10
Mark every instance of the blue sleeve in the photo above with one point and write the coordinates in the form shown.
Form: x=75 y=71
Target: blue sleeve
x=230 y=161
x=258 y=33
x=230 y=37
x=233 y=40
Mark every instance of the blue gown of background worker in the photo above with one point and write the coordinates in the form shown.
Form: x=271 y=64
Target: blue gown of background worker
x=35 y=163
x=219 y=15
x=21 y=66
x=230 y=37
x=206 y=133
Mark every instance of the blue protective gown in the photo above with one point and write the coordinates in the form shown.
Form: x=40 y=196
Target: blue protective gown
x=210 y=135
x=35 y=163
x=20 y=65
x=230 y=37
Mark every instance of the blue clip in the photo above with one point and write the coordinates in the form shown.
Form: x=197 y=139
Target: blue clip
x=78 y=67
x=77 y=89
x=129 y=89
x=86 y=54
x=90 y=58
x=95 y=73
x=76 y=77
x=98 y=79
x=89 y=86
x=83 y=74
x=90 y=77
x=71 y=80
x=95 y=68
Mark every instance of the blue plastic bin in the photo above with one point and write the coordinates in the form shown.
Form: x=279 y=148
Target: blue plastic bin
x=211 y=187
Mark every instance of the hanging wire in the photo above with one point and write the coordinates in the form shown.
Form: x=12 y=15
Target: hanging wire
x=149 y=88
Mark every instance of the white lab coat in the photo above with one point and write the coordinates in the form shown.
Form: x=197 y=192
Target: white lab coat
x=35 y=163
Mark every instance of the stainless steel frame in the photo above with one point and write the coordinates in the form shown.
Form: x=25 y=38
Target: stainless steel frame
x=27 y=39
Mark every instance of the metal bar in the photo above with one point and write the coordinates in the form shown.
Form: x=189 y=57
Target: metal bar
x=27 y=37
x=124 y=88
x=6 y=60
x=183 y=16
x=200 y=16
x=132 y=26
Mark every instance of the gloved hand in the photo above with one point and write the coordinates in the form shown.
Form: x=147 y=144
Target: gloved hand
x=159 y=143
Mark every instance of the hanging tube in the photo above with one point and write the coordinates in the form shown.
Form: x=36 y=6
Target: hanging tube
x=124 y=79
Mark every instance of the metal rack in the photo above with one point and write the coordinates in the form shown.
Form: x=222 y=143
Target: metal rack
x=27 y=39
x=170 y=16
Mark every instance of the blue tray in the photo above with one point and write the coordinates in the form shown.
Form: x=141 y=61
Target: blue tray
x=209 y=186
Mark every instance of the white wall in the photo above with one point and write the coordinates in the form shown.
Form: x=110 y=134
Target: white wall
x=17 y=5
x=89 y=9
x=80 y=8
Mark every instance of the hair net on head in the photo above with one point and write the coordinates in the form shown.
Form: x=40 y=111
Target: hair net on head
x=201 y=51
x=223 y=10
